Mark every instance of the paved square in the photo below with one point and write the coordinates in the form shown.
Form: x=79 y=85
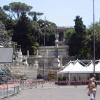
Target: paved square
x=55 y=93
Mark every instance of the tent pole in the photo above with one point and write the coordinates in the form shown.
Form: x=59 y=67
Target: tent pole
x=69 y=78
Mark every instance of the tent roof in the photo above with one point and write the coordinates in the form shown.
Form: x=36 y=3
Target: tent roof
x=74 y=68
x=77 y=67
x=67 y=68
x=89 y=68
x=97 y=67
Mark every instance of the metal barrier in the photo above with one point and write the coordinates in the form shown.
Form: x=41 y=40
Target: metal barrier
x=82 y=82
x=29 y=84
x=7 y=90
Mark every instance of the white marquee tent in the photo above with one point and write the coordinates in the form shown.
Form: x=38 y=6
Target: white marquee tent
x=77 y=67
x=89 y=68
x=97 y=67
x=79 y=71
x=74 y=70
x=68 y=68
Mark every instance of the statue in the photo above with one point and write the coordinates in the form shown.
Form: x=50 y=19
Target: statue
x=19 y=56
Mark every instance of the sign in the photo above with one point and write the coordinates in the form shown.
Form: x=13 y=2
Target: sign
x=6 y=55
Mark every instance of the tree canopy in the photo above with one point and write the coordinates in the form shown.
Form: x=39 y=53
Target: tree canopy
x=16 y=8
x=22 y=33
x=35 y=15
x=31 y=32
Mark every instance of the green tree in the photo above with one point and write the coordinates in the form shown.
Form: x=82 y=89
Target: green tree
x=4 y=37
x=16 y=8
x=48 y=30
x=36 y=32
x=68 y=33
x=8 y=22
x=76 y=42
x=97 y=39
x=35 y=15
x=22 y=34
x=3 y=15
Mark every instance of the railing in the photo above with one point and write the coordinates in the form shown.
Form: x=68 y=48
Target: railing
x=9 y=89
x=82 y=82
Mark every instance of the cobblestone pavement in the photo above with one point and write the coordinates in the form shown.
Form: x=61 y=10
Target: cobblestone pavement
x=53 y=92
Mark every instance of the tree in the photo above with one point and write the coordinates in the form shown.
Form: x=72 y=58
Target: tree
x=22 y=34
x=35 y=15
x=36 y=32
x=4 y=37
x=97 y=39
x=3 y=15
x=68 y=33
x=8 y=22
x=48 y=30
x=79 y=27
x=16 y=8
x=76 y=42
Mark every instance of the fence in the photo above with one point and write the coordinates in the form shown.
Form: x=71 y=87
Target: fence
x=8 y=89
x=29 y=84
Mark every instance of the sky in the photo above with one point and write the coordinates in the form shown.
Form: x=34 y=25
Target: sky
x=63 y=12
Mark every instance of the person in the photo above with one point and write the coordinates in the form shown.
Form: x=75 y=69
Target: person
x=92 y=87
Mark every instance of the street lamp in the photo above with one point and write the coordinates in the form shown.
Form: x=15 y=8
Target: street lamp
x=93 y=37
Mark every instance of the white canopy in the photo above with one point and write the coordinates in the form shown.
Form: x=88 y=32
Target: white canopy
x=97 y=67
x=89 y=68
x=68 y=68
x=79 y=68
x=75 y=67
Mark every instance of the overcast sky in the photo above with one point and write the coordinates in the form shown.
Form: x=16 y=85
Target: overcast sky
x=63 y=12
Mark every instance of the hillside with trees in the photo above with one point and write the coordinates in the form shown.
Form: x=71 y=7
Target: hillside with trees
x=26 y=28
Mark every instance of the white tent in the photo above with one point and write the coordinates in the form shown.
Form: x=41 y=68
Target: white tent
x=74 y=70
x=89 y=68
x=78 y=71
x=97 y=67
x=68 y=68
x=75 y=67
x=78 y=68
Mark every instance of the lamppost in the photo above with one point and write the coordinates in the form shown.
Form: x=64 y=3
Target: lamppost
x=93 y=38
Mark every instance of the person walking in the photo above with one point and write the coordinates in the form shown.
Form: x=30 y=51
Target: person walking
x=92 y=87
